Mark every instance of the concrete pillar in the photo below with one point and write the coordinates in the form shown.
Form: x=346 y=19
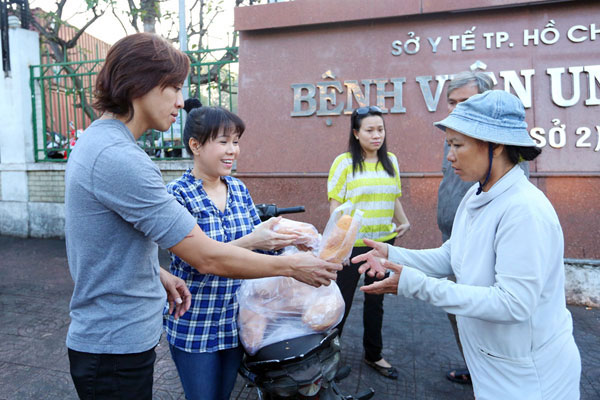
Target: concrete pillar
x=16 y=137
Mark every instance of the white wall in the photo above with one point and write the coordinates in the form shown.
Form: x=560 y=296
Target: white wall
x=16 y=138
x=582 y=282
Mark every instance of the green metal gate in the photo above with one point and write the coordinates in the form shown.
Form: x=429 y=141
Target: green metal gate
x=62 y=95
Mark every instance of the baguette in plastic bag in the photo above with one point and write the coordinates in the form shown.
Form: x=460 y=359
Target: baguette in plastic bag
x=340 y=234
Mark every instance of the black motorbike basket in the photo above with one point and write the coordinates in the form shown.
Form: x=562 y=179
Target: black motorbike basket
x=285 y=366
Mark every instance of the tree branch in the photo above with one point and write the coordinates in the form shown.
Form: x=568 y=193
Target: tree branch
x=114 y=12
x=133 y=10
x=73 y=42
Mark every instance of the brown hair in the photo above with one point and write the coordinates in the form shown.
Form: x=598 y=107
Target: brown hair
x=134 y=66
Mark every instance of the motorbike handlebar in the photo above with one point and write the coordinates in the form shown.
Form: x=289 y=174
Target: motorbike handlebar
x=266 y=211
x=291 y=210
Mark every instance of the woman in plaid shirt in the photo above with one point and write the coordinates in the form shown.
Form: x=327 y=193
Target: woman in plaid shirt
x=204 y=341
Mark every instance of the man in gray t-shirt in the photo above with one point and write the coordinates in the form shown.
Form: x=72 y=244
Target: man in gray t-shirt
x=117 y=213
x=452 y=189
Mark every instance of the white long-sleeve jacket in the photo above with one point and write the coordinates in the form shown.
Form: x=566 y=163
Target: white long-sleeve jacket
x=506 y=250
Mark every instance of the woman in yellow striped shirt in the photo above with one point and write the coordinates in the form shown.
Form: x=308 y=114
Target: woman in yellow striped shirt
x=369 y=177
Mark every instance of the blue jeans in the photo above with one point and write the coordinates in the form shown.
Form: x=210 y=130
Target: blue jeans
x=207 y=376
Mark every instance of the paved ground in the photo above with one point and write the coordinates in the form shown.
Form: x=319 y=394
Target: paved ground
x=35 y=287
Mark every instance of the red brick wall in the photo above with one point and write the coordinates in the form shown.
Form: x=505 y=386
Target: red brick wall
x=353 y=39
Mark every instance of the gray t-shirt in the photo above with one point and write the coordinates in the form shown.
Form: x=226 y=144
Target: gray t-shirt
x=117 y=211
x=450 y=193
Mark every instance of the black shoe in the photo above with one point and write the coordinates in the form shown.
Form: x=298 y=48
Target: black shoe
x=388 y=372
x=460 y=375
x=342 y=372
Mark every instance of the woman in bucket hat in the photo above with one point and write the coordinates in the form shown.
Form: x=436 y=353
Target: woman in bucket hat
x=506 y=250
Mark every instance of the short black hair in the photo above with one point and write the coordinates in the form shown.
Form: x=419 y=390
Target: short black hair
x=205 y=123
x=190 y=104
x=517 y=154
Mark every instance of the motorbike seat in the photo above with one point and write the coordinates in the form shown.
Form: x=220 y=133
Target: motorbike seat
x=292 y=350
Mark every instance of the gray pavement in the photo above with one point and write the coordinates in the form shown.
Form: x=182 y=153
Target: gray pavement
x=35 y=288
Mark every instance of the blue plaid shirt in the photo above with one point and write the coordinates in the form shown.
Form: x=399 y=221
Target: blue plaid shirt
x=210 y=323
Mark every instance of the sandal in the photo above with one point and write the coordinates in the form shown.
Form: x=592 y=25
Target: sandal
x=388 y=372
x=459 y=376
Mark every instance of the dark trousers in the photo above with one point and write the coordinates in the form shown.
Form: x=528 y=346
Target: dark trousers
x=113 y=376
x=347 y=280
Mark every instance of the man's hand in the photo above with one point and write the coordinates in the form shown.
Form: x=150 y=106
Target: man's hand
x=389 y=284
x=178 y=295
x=373 y=259
x=312 y=270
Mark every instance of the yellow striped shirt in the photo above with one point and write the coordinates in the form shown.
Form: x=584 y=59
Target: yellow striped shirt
x=372 y=190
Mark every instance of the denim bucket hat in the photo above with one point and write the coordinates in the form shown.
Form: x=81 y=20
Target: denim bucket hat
x=494 y=116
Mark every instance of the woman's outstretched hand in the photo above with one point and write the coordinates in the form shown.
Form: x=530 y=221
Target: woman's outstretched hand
x=372 y=259
x=387 y=285
x=265 y=238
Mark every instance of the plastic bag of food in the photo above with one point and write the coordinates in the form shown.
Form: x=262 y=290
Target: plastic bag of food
x=281 y=308
x=308 y=235
x=340 y=234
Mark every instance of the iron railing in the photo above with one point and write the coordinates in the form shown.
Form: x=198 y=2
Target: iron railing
x=62 y=94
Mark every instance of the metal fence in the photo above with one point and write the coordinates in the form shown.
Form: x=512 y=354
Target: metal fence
x=62 y=95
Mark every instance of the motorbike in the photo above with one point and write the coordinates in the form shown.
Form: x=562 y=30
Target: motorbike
x=301 y=368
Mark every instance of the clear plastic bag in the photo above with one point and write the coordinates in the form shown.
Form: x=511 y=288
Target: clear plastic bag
x=340 y=234
x=281 y=308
